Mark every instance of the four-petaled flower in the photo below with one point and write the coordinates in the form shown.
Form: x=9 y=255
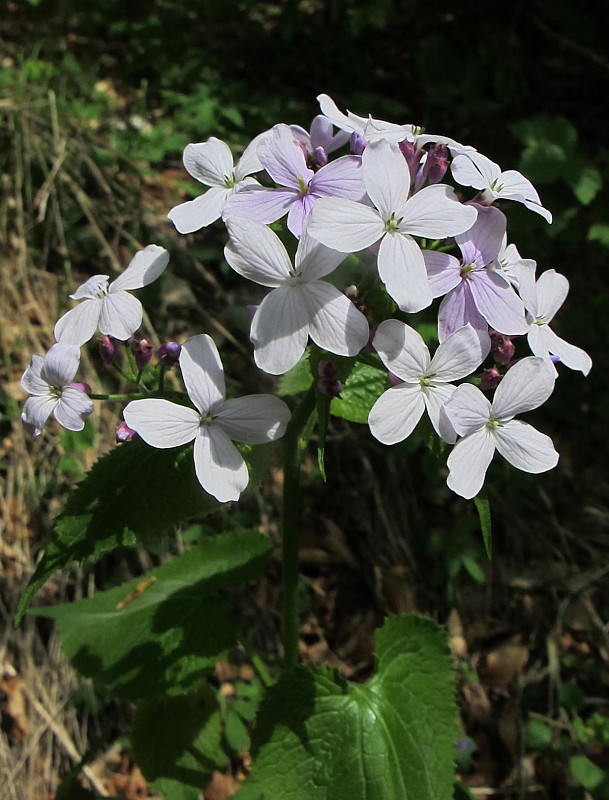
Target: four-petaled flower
x=300 y=303
x=434 y=212
x=487 y=427
x=211 y=163
x=253 y=419
x=426 y=381
x=48 y=379
x=111 y=308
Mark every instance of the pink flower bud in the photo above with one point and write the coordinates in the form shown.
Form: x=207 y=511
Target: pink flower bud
x=142 y=352
x=319 y=158
x=327 y=383
x=502 y=347
x=413 y=157
x=169 y=353
x=436 y=163
x=357 y=143
x=490 y=378
x=356 y=297
x=124 y=433
x=82 y=387
x=107 y=349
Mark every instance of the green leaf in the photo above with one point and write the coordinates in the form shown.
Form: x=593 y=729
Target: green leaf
x=550 y=144
x=160 y=633
x=462 y=792
x=587 y=184
x=133 y=494
x=319 y=736
x=484 y=512
x=177 y=743
x=237 y=734
x=599 y=232
x=537 y=734
x=362 y=388
x=586 y=772
x=298 y=379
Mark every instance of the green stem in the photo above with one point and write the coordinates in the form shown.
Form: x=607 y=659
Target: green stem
x=292 y=454
x=117 y=397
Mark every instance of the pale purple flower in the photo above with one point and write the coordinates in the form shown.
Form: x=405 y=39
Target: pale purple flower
x=426 y=381
x=211 y=163
x=487 y=427
x=473 y=169
x=434 y=212
x=285 y=162
x=48 y=380
x=371 y=130
x=474 y=293
x=111 y=307
x=520 y=272
x=542 y=301
x=253 y=419
x=321 y=135
x=300 y=303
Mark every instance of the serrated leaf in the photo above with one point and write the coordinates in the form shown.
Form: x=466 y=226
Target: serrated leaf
x=298 y=379
x=362 y=389
x=133 y=494
x=177 y=743
x=160 y=633
x=484 y=513
x=319 y=736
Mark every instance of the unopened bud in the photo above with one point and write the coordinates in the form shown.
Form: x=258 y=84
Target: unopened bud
x=356 y=297
x=169 y=353
x=107 y=349
x=328 y=383
x=490 y=378
x=436 y=163
x=319 y=158
x=82 y=387
x=124 y=433
x=413 y=158
x=142 y=352
x=357 y=144
x=327 y=370
x=502 y=347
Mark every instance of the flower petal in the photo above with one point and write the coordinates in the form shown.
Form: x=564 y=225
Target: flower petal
x=260 y=204
x=514 y=186
x=475 y=170
x=551 y=291
x=480 y=245
x=249 y=163
x=299 y=212
x=402 y=350
x=210 y=162
x=257 y=253
x=31 y=381
x=386 y=176
x=469 y=461
x=457 y=356
x=458 y=309
x=36 y=411
x=93 y=288
x=435 y=213
x=280 y=329
x=396 y=412
x=161 y=423
x=524 y=447
x=402 y=268
x=334 y=322
x=79 y=324
x=349 y=123
x=219 y=466
x=436 y=398
x=195 y=214
x=72 y=409
x=60 y=364
x=202 y=373
x=255 y=418
x=468 y=409
x=283 y=158
x=314 y=260
x=497 y=301
x=340 y=178
x=525 y=386
x=443 y=272
x=543 y=340
x=121 y=315
x=344 y=225
x=145 y=267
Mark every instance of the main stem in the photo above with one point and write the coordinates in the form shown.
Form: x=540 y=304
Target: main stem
x=290 y=525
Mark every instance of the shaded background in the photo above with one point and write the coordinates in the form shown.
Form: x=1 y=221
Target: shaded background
x=97 y=101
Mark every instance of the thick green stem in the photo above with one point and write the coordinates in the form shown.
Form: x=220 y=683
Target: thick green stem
x=292 y=455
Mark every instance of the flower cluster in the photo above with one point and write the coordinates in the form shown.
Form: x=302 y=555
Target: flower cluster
x=425 y=215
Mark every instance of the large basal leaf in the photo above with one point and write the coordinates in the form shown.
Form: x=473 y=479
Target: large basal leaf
x=158 y=634
x=362 y=388
x=177 y=743
x=134 y=493
x=319 y=736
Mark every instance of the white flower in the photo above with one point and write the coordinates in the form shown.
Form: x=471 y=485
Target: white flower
x=112 y=308
x=48 y=380
x=434 y=213
x=474 y=169
x=542 y=300
x=211 y=163
x=520 y=272
x=300 y=304
x=486 y=428
x=371 y=130
x=254 y=419
x=426 y=381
